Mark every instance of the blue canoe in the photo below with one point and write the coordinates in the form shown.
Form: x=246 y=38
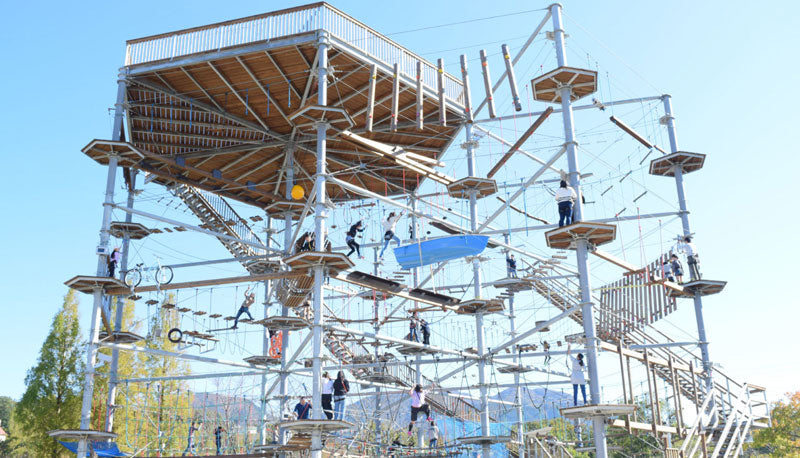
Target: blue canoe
x=438 y=250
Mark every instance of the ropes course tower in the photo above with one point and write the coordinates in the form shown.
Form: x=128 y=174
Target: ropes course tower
x=253 y=148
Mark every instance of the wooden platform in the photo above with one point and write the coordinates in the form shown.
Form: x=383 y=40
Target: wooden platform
x=545 y=328
x=379 y=377
x=134 y=231
x=306 y=260
x=87 y=284
x=374 y=282
x=547 y=88
x=124 y=289
x=433 y=297
x=462 y=188
x=597 y=410
x=120 y=337
x=285 y=323
x=541 y=432
x=316 y=425
x=258 y=360
x=282 y=207
x=78 y=434
x=416 y=350
x=475 y=306
x=705 y=287
x=201 y=336
x=514 y=284
x=481 y=440
x=595 y=233
x=688 y=162
x=514 y=369
x=620 y=423
x=307 y=117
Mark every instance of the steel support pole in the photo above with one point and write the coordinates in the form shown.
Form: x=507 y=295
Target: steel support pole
x=517 y=389
x=119 y=313
x=415 y=282
x=582 y=252
x=287 y=248
x=94 y=329
x=319 y=236
x=262 y=430
x=469 y=145
x=376 y=326
x=698 y=301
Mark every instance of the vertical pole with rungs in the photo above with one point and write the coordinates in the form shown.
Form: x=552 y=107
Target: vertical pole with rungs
x=420 y=100
x=512 y=325
x=395 y=96
x=440 y=81
x=320 y=214
x=487 y=83
x=287 y=249
x=373 y=80
x=102 y=257
x=582 y=248
x=512 y=80
x=265 y=343
x=467 y=95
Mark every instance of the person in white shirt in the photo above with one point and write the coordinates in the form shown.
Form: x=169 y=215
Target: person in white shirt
x=418 y=405
x=433 y=435
x=388 y=227
x=565 y=196
x=327 y=395
x=576 y=377
x=666 y=270
x=692 y=258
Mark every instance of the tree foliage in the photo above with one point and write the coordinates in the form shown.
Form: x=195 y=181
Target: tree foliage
x=52 y=399
x=783 y=437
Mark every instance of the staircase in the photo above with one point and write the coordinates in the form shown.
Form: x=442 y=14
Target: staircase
x=218 y=216
x=726 y=413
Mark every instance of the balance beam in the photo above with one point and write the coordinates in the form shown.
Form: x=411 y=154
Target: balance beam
x=635 y=134
x=212 y=282
x=616 y=261
x=521 y=141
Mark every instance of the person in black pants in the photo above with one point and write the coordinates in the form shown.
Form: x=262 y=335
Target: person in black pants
x=218 y=438
x=327 y=395
x=511 y=262
x=351 y=239
x=426 y=332
x=340 y=389
x=566 y=197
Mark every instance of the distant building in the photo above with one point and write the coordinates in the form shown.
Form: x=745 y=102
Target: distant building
x=3 y=433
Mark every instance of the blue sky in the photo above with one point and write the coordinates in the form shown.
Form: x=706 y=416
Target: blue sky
x=729 y=66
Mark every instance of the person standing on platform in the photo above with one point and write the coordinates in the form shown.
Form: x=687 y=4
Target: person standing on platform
x=351 y=239
x=511 y=262
x=340 y=388
x=327 y=395
x=389 y=226
x=426 y=331
x=433 y=435
x=412 y=328
x=666 y=271
x=302 y=409
x=576 y=377
x=677 y=267
x=565 y=196
x=692 y=258
x=218 y=438
x=306 y=242
x=113 y=260
x=249 y=299
x=418 y=405
x=193 y=428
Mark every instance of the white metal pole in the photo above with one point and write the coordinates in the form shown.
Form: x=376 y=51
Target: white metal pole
x=265 y=348
x=518 y=390
x=94 y=329
x=582 y=252
x=319 y=237
x=287 y=248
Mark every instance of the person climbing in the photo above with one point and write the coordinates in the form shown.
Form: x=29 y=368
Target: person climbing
x=113 y=260
x=418 y=405
x=692 y=259
x=677 y=267
x=351 y=239
x=218 y=438
x=302 y=409
x=412 y=328
x=511 y=262
x=546 y=346
x=388 y=226
x=433 y=435
x=565 y=196
x=190 y=440
x=340 y=388
x=275 y=343
x=249 y=299
x=327 y=395
x=666 y=270
x=577 y=377
x=425 y=329
x=306 y=242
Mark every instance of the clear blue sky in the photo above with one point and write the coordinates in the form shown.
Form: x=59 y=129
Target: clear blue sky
x=730 y=67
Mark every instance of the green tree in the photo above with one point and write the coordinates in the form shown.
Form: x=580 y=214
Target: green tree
x=783 y=437
x=52 y=399
x=6 y=410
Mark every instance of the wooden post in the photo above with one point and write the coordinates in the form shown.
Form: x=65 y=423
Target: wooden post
x=676 y=392
x=624 y=389
x=440 y=80
x=487 y=83
x=650 y=390
x=420 y=100
x=518 y=144
x=512 y=80
x=630 y=382
x=373 y=80
x=395 y=97
x=465 y=82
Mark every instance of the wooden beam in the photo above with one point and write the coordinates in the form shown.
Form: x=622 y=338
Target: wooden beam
x=635 y=134
x=211 y=282
x=521 y=141
x=620 y=423
x=615 y=260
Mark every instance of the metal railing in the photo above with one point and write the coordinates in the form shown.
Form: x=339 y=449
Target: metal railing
x=285 y=23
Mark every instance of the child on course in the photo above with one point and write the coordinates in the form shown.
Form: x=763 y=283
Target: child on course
x=388 y=226
x=351 y=239
x=418 y=405
x=249 y=298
